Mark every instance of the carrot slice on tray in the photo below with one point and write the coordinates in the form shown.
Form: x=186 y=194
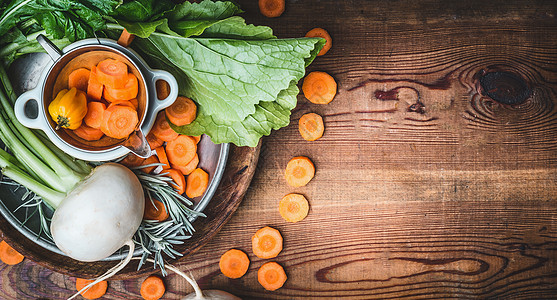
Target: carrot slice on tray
x=197 y=183
x=112 y=73
x=155 y=210
x=161 y=154
x=181 y=150
x=293 y=207
x=162 y=130
x=182 y=112
x=234 y=263
x=271 y=276
x=266 y=242
x=149 y=161
x=9 y=255
x=322 y=33
x=79 y=79
x=95 y=292
x=153 y=141
x=179 y=180
x=299 y=171
x=319 y=87
x=131 y=161
x=187 y=169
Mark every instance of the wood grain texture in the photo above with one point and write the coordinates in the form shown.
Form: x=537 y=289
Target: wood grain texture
x=459 y=201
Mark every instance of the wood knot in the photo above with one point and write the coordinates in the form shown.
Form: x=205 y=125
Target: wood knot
x=504 y=87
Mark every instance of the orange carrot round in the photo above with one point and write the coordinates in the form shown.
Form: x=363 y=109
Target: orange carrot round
x=125 y=38
x=153 y=141
x=271 y=8
x=299 y=171
x=128 y=92
x=319 y=87
x=187 y=169
x=119 y=121
x=131 y=161
x=79 y=79
x=197 y=139
x=266 y=242
x=152 y=288
x=182 y=112
x=271 y=276
x=181 y=150
x=311 y=126
x=94 y=116
x=179 y=180
x=123 y=103
x=162 y=130
x=155 y=210
x=112 y=73
x=148 y=161
x=293 y=207
x=234 y=263
x=9 y=255
x=94 y=87
x=88 y=133
x=197 y=183
x=96 y=291
x=161 y=154
x=322 y=33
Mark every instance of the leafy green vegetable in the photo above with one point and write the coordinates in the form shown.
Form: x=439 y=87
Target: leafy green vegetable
x=142 y=10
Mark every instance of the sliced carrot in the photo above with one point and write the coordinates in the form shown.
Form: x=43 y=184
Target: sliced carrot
x=155 y=210
x=96 y=291
x=179 y=180
x=197 y=139
x=125 y=38
x=161 y=154
x=322 y=33
x=319 y=87
x=162 y=129
x=9 y=255
x=271 y=8
x=293 y=207
x=112 y=73
x=88 y=133
x=94 y=116
x=187 y=169
x=131 y=161
x=234 y=263
x=119 y=121
x=299 y=171
x=152 y=288
x=94 y=87
x=181 y=150
x=128 y=92
x=197 y=183
x=182 y=112
x=135 y=103
x=79 y=78
x=266 y=242
x=311 y=126
x=153 y=141
x=148 y=161
x=271 y=276
x=122 y=103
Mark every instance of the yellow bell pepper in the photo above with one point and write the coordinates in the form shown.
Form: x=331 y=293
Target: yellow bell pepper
x=68 y=109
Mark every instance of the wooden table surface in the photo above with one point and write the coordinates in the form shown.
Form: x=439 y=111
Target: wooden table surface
x=459 y=201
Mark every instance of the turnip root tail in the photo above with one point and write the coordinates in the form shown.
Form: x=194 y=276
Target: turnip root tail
x=112 y=271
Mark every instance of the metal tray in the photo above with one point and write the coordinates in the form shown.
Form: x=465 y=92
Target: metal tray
x=24 y=74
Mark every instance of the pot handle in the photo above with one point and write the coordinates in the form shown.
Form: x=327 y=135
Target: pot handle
x=19 y=108
x=159 y=104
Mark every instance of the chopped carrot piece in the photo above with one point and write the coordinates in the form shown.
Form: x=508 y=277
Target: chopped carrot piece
x=94 y=87
x=311 y=126
x=135 y=103
x=161 y=154
x=181 y=150
x=152 y=288
x=182 y=112
x=127 y=103
x=148 y=161
x=112 y=73
x=94 y=116
x=125 y=38
x=119 y=121
x=271 y=276
x=9 y=255
x=322 y=33
x=319 y=87
x=197 y=183
x=234 y=263
x=96 y=291
x=299 y=171
x=79 y=79
x=187 y=169
x=271 y=8
x=128 y=92
x=88 y=133
x=131 y=161
x=153 y=141
x=179 y=180
x=293 y=207
x=162 y=130
x=266 y=242
x=155 y=210
x=197 y=139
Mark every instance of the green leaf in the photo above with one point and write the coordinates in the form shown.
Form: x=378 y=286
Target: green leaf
x=142 y=10
x=142 y=29
x=236 y=28
x=206 y=10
